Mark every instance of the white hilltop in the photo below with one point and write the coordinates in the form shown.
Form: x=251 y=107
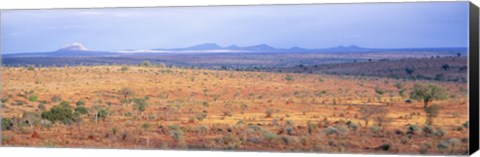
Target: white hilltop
x=74 y=47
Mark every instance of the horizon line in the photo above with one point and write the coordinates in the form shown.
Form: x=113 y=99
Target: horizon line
x=226 y=48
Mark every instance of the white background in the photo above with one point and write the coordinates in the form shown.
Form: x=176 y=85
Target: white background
x=69 y=152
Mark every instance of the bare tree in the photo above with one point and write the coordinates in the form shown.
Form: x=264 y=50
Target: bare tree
x=367 y=112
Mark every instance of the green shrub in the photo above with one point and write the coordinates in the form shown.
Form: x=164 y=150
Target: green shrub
x=330 y=130
x=31 y=68
x=80 y=103
x=145 y=64
x=201 y=116
x=19 y=103
x=412 y=128
x=41 y=106
x=81 y=110
x=60 y=114
x=102 y=114
x=177 y=135
x=440 y=133
x=4 y=100
x=65 y=104
x=268 y=136
x=124 y=68
x=376 y=129
x=145 y=126
x=384 y=147
x=139 y=104
x=379 y=91
x=352 y=126
x=337 y=129
x=202 y=129
x=289 y=78
x=33 y=98
x=7 y=124
x=428 y=130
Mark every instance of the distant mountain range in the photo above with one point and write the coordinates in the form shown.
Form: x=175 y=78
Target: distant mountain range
x=212 y=47
x=78 y=49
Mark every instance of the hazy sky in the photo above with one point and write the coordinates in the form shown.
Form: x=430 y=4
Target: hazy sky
x=382 y=25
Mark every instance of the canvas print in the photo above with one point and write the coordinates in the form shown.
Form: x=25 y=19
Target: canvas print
x=388 y=78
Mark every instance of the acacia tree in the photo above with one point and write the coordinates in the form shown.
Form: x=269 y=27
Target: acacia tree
x=125 y=91
x=146 y=64
x=31 y=118
x=427 y=93
x=140 y=105
x=100 y=113
x=162 y=65
x=367 y=112
x=446 y=67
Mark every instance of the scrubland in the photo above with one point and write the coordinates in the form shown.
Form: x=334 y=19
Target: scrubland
x=159 y=107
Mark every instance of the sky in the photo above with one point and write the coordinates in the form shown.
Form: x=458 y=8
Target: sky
x=373 y=25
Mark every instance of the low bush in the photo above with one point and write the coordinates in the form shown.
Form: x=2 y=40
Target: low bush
x=428 y=130
x=80 y=103
x=33 y=98
x=81 y=110
x=41 y=106
x=376 y=129
x=60 y=114
x=7 y=124
x=56 y=98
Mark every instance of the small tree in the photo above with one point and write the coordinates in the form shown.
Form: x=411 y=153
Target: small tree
x=146 y=64
x=100 y=113
x=289 y=78
x=124 y=68
x=409 y=71
x=446 y=67
x=125 y=91
x=162 y=65
x=7 y=124
x=427 y=93
x=30 y=118
x=370 y=111
x=140 y=104
x=31 y=68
